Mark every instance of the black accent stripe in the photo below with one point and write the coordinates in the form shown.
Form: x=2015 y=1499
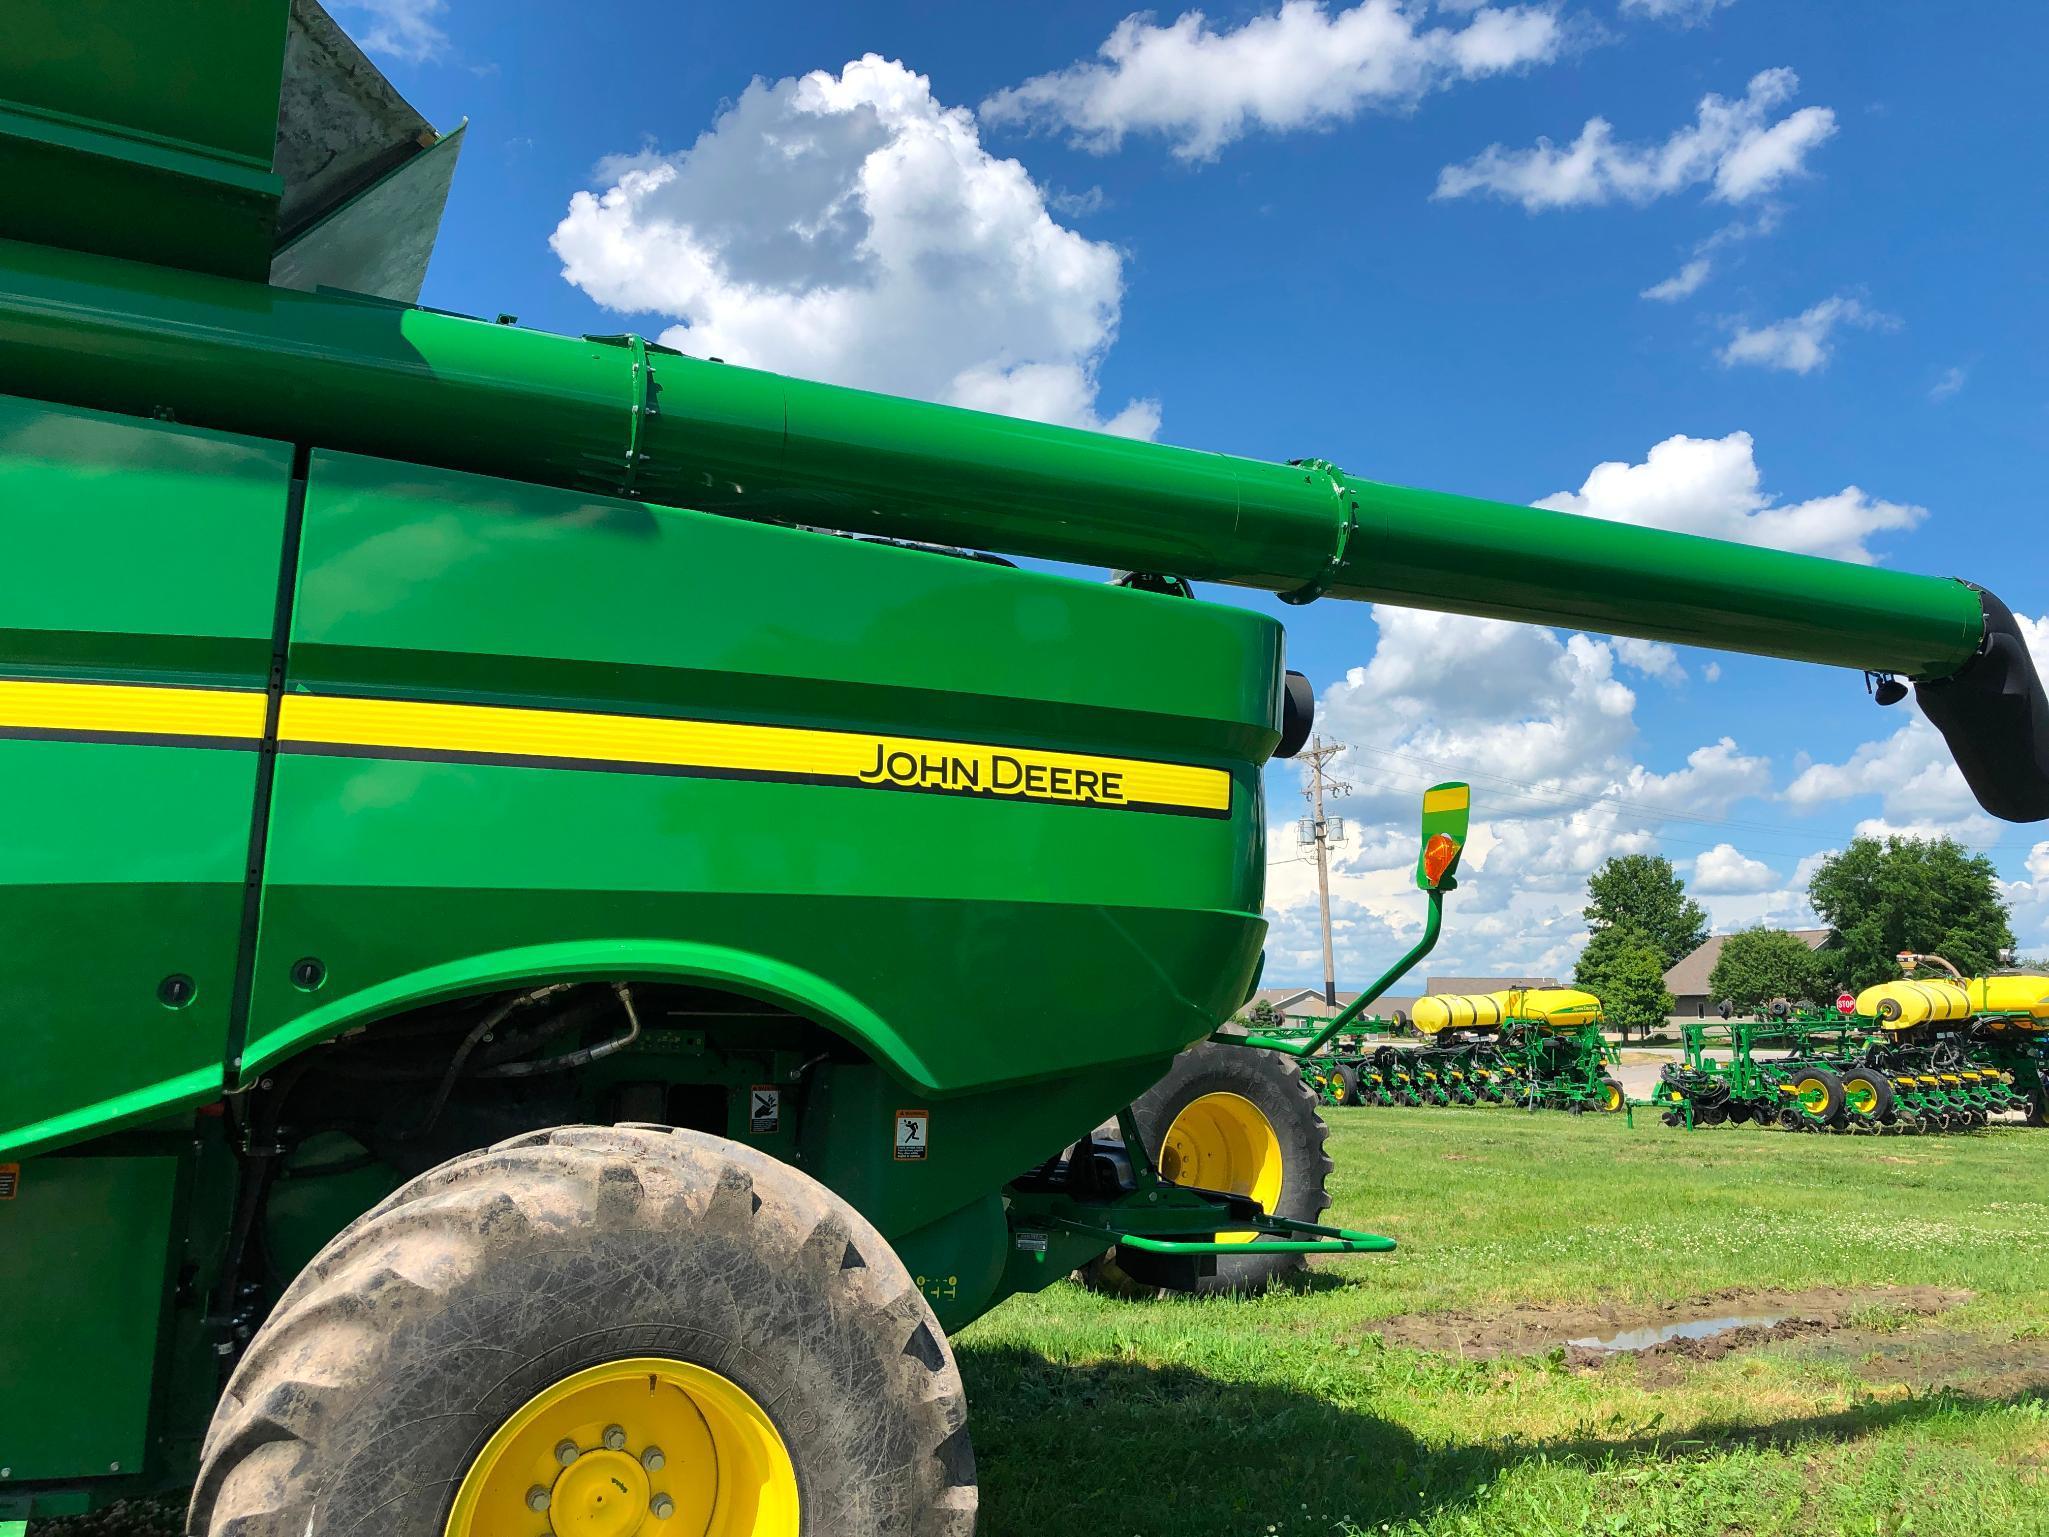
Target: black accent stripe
x=266 y=761
x=127 y=738
x=693 y=771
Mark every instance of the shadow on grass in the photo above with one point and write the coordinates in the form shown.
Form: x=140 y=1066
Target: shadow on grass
x=1120 y=1447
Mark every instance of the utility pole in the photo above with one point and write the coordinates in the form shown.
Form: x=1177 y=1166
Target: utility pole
x=1323 y=831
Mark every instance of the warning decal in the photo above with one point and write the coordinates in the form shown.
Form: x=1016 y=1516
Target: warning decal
x=764 y=1109
x=10 y=1180
x=911 y=1129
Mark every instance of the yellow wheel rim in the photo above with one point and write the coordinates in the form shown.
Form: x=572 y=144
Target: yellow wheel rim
x=1611 y=1098
x=1224 y=1142
x=1860 y=1096
x=1812 y=1094
x=1337 y=1089
x=647 y=1447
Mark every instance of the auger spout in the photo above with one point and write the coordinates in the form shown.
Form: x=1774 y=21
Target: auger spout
x=624 y=417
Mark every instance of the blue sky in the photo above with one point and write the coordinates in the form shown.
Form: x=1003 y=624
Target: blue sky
x=1284 y=234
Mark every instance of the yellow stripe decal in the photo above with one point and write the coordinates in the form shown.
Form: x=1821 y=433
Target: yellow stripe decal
x=129 y=711
x=567 y=738
x=1458 y=798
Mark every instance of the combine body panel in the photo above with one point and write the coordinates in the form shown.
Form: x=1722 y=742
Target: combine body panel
x=461 y=776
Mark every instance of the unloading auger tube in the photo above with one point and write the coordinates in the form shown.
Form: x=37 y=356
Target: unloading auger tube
x=625 y=417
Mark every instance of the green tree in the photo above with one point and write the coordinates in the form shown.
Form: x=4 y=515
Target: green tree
x=1641 y=892
x=1922 y=894
x=1623 y=967
x=1761 y=964
x=1264 y=1016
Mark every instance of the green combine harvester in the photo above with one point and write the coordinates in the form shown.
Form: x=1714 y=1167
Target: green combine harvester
x=502 y=826
x=1901 y=1057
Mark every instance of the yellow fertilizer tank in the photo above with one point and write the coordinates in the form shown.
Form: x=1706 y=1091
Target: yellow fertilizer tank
x=1555 y=1008
x=1558 y=1008
x=1459 y=1011
x=2023 y=995
x=1901 y=1005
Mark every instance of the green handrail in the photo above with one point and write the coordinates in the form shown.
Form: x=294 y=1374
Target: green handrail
x=1433 y=922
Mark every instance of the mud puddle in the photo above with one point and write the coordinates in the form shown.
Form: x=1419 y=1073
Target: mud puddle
x=1700 y=1328
x=1650 y=1336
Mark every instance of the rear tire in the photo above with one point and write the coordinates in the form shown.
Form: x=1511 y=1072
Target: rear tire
x=1868 y=1095
x=1272 y=1087
x=1819 y=1095
x=391 y=1383
x=1345 y=1083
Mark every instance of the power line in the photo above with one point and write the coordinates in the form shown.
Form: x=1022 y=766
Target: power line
x=1322 y=833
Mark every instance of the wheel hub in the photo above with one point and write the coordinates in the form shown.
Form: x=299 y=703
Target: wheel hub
x=1224 y=1142
x=602 y=1494
x=648 y=1447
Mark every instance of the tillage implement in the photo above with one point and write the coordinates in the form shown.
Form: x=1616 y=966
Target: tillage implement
x=502 y=828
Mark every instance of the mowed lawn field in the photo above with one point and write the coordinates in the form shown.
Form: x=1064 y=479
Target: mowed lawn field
x=1432 y=1391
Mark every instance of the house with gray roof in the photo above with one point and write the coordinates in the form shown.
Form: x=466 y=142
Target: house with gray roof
x=1687 y=981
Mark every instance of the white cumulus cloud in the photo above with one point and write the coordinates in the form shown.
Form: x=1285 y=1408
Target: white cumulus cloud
x=1300 y=67
x=1681 y=284
x=1741 y=148
x=1713 y=486
x=404 y=29
x=1544 y=727
x=1726 y=870
x=1804 y=342
x=1920 y=791
x=852 y=228
x=1687 y=13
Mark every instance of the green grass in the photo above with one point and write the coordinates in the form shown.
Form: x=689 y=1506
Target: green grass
x=1286 y=1414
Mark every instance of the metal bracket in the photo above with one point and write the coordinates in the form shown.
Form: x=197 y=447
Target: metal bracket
x=1348 y=511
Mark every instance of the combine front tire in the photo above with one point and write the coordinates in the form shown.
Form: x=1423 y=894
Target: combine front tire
x=1233 y=1119
x=618 y=1331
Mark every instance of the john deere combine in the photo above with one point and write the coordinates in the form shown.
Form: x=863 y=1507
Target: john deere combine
x=501 y=827
x=1909 y=1056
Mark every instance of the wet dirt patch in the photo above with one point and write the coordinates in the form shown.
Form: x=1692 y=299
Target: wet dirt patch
x=1698 y=1329
x=1935 y=1358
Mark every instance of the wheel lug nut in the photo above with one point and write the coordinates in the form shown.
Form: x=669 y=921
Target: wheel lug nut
x=537 y=1498
x=661 y=1507
x=652 y=1459
x=615 y=1438
x=567 y=1452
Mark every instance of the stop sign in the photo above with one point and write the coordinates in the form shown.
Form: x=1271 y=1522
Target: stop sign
x=1845 y=1004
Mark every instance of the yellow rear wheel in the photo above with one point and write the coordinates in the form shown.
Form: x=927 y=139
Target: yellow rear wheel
x=1224 y=1142
x=646 y=1447
x=1230 y=1119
